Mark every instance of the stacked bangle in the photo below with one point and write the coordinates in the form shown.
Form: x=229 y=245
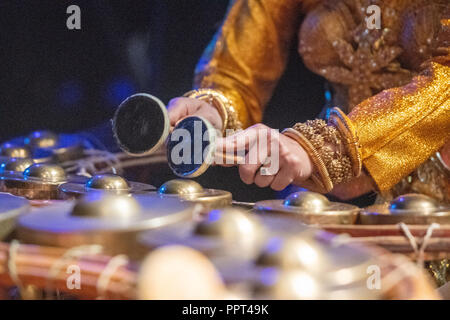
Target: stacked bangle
x=339 y=120
x=323 y=180
x=333 y=148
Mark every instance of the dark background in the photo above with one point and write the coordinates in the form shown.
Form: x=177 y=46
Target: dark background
x=70 y=80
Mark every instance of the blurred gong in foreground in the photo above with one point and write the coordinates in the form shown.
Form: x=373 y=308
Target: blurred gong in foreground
x=259 y=258
x=177 y=272
x=111 y=220
x=11 y=207
x=219 y=233
x=296 y=267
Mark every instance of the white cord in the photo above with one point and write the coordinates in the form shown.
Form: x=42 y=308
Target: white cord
x=419 y=250
x=403 y=270
x=71 y=253
x=105 y=277
x=12 y=266
x=340 y=239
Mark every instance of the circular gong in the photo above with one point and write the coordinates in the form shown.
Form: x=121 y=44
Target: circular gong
x=178 y=272
x=311 y=208
x=66 y=147
x=104 y=182
x=275 y=284
x=108 y=182
x=14 y=151
x=39 y=181
x=293 y=252
x=51 y=173
x=221 y=232
x=15 y=165
x=295 y=284
x=42 y=139
x=13 y=168
x=46 y=146
x=110 y=220
x=193 y=191
x=305 y=200
x=409 y=208
x=181 y=187
x=141 y=124
x=10 y=208
x=231 y=237
x=190 y=148
x=340 y=265
x=302 y=267
x=304 y=251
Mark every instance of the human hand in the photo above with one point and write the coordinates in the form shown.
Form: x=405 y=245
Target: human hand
x=268 y=158
x=182 y=107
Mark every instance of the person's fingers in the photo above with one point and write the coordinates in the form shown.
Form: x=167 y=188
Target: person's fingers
x=247 y=173
x=211 y=114
x=254 y=159
x=227 y=160
x=177 y=109
x=263 y=181
x=240 y=141
x=283 y=178
x=290 y=157
x=181 y=107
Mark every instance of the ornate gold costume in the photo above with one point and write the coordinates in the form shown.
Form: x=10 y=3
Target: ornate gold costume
x=394 y=82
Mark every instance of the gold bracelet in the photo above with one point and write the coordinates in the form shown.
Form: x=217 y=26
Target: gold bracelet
x=326 y=183
x=348 y=132
x=319 y=133
x=333 y=166
x=221 y=103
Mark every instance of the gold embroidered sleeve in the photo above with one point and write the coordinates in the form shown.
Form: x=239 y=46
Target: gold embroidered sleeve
x=392 y=133
x=400 y=128
x=249 y=53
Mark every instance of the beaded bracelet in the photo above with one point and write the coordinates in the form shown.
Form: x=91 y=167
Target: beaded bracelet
x=328 y=150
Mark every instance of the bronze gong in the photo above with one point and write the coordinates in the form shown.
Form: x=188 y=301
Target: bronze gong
x=10 y=208
x=110 y=220
x=311 y=208
x=409 y=208
x=102 y=182
x=190 y=190
x=39 y=181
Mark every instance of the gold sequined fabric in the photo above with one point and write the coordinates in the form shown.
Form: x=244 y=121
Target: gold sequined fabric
x=431 y=178
x=401 y=128
x=393 y=81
